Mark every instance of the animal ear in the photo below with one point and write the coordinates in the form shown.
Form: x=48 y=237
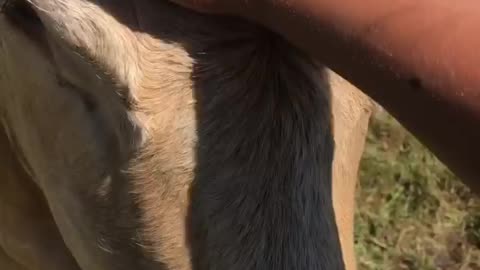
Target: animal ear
x=92 y=31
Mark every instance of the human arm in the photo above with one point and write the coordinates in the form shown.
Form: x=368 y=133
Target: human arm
x=418 y=59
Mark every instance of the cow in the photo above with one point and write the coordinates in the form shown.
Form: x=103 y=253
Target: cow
x=136 y=134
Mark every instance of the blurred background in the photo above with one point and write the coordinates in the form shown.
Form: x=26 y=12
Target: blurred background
x=412 y=212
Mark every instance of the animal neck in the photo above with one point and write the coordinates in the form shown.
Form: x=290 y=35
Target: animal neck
x=261 y=197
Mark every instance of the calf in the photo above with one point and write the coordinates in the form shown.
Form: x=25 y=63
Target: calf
x=139 y=135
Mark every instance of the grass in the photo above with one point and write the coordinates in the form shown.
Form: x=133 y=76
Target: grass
x=412 y=212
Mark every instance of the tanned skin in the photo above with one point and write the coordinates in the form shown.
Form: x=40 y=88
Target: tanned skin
x=418 y=59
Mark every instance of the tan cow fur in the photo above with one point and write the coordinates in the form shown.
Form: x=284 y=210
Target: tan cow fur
x=351 y=113
x=143 y=82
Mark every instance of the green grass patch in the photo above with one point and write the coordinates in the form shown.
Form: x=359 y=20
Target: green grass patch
x=412 y=212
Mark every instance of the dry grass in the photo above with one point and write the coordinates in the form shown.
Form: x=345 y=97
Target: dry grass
x=412 y=213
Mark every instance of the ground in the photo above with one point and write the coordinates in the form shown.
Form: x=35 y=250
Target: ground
x=412 y=212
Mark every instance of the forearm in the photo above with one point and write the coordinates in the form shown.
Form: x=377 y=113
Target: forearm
x=401 y=53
